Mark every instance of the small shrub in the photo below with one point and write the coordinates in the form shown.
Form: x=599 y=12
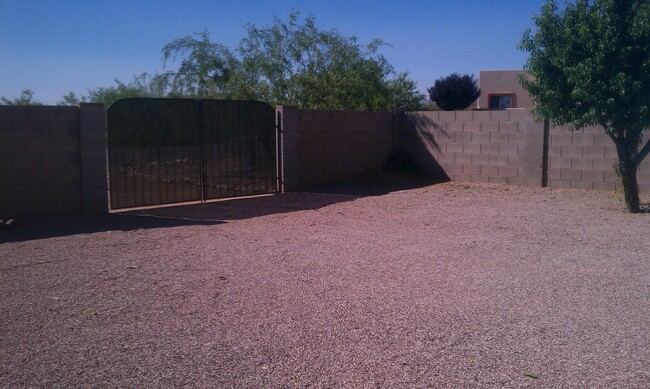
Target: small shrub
x=402 y=162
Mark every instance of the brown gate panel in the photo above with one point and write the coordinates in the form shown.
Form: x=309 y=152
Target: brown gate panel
x=239 y=151
x=165 y=151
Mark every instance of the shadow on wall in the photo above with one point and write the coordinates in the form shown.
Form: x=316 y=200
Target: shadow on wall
x=419 y=135
x=205 y=214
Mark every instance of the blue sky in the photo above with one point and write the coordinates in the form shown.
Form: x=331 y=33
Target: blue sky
x=56 y=46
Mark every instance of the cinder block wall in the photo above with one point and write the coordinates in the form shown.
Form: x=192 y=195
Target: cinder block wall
x=477 y=146
x=507 y=147
x=44 y=169
x=325 y=146
x=586 y=159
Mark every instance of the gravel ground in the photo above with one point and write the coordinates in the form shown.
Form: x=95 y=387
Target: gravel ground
x=442 y=286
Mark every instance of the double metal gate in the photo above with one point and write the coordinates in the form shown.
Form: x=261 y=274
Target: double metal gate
x=163 y=151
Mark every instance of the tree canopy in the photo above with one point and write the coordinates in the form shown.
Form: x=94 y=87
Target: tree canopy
x=26 y=98
x=292 y=63
x=590 y=64
x=142 y=85
x=454 y=92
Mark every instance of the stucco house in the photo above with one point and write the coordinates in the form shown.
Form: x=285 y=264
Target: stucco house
x=500 y=89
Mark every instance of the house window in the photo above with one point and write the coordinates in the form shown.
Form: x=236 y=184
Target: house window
x=501 y=100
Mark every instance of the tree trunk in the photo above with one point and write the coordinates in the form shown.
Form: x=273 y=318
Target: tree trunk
x=627 y=169
x=629 y=160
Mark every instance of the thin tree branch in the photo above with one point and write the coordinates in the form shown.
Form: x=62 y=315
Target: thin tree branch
x=642 y=154
x=613 y=136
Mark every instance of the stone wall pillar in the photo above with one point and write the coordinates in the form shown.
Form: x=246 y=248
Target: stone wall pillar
x=93 y=142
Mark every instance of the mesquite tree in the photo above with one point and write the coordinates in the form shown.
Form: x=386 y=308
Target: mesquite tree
x=591 y=66
x=291 y=62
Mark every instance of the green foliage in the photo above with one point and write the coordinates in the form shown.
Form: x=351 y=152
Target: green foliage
x=590 y=63
x=143 y=85
x=26 y=98
x=70 y=99
x=292 y=63
x=428 y=105
x=454 y=92
x=297 y=64
x=405 y=95
x=205 y=69
x=591 y=66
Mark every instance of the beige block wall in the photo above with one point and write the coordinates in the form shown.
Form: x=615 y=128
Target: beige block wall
x=325 y=146
x=477 y=146
x=507 y=147
x=586 y=159
x=41 y=155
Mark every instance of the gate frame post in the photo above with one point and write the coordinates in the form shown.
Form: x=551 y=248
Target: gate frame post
x=279 y=160
x=202 y=140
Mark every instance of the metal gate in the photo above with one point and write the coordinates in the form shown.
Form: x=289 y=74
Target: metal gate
x=163 y=151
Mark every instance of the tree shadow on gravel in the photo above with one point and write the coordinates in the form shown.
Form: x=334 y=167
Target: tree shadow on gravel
x=211 y=213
